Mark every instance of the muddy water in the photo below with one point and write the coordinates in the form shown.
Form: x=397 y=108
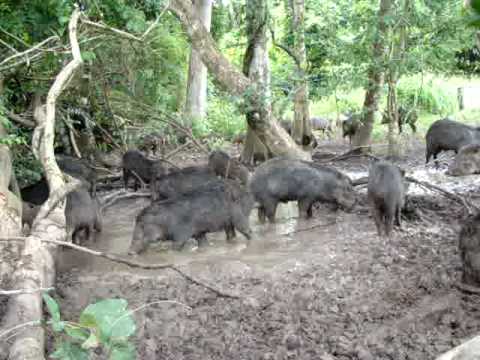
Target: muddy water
x=330 y=281
x=273 y=246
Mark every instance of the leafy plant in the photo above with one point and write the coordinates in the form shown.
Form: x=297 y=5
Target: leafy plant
x=105 y=325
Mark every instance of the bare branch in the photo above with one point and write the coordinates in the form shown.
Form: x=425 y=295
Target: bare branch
x=13 y=36
x=33 y=48
x=8 y=46
x=111 y=29
x=135 y=264
x=20 y=119
x=286 y=49
x=24 y=291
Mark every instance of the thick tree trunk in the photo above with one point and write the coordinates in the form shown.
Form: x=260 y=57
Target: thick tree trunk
x=36 y=262
x=256 y=66
x=196 y=101
x=10 y=204
x=375 y=78
x=271 y=134
x=302 y=128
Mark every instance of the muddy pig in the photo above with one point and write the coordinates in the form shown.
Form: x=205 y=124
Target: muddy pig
x=29 y=212
x=350 y=126
x=466 y=162
x=82 y=216
x=152 y=142
x=79 y=169
x=223 y=165
x=136 y=165
x=181 y=181
x=225 y=206
x=321 y=124
x=282 y=180
x=446 y=134
x=469 y=246
x=386 y=195
x=37 y=193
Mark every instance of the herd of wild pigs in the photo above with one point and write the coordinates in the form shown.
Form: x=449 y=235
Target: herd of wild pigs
x=190 y=202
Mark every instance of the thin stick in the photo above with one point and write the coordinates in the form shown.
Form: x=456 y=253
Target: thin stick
x=135 y=264
x=26 y=52
x=24 y=291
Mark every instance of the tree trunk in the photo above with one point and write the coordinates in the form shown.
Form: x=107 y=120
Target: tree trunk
x=257 y=67
x=375 y=78
x=36 y=262
x=271 y=134
x=196 y=101
x=10 y=204
x=302 y=128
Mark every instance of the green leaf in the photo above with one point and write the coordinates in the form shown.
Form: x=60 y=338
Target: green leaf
x=69 y=351
x=112 y=318
x=123 y=351
x=88 y=56
x=52 y=307
x=76 y=333
x=91 y=342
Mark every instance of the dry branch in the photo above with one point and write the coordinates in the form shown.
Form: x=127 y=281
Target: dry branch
x=134 y=264
x=20 y=119
x=457 y=198
x=24 y=291
x=27 y=52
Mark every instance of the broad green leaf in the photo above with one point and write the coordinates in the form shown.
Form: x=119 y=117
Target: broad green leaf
x=123 y=351
x=76 y=333
x=52 y=307
x=112 y=318
x=91 y=342
x=88 y=320
x=69 y=351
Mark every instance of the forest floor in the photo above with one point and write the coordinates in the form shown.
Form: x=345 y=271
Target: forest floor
x=327 y=288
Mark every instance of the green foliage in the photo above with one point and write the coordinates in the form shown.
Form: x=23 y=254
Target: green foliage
x=223 y=119
x=106 y=324
x=429 y=96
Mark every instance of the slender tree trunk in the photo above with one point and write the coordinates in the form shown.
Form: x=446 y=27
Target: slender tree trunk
x=271 y=134
x=196 y=101
x=10 y=204
x=375 y=78
x=256 y=66
x=302 y=129
x=36 y=261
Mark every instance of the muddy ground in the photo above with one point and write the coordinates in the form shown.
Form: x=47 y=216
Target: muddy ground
x=327 y=288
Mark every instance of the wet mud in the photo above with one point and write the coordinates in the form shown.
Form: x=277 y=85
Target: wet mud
x=327 y=288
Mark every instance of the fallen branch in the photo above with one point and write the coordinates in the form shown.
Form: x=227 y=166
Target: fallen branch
x=457 y=198
x=177 y=150
x=20 y=119
x=24 y=291
x=135 y=264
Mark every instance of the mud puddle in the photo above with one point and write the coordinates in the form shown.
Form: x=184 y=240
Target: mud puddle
x=326 y=288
